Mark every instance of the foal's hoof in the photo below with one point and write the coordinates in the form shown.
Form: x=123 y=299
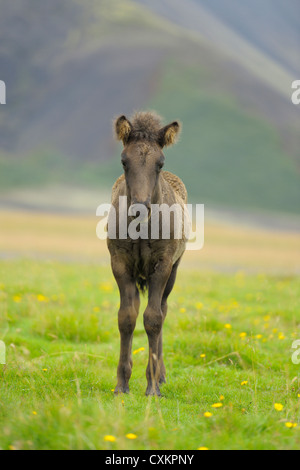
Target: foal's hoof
x=153 y=391
x=121 y=389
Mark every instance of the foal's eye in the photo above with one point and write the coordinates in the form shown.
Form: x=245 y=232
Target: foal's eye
x=160 y=166
x=124 y=164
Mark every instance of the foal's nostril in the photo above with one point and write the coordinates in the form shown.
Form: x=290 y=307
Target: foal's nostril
x=146 y=203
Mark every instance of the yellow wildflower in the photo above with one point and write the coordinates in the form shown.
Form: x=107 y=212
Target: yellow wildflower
x=199 y=306
x=291 y=425
x=109 y=438
x=278 y=407
x=138 y=350
x=42 y=298
x=106 y=287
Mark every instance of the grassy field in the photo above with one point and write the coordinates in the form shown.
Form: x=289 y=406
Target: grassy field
x=227 y=338
x=228 y=247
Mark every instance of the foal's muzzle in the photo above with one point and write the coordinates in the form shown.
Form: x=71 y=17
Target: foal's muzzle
x=145 y=207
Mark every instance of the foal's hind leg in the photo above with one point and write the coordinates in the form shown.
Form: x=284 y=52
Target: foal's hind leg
x=164 y=308
x=128 y=312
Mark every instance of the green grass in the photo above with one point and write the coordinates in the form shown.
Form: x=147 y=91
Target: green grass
x=59 y=323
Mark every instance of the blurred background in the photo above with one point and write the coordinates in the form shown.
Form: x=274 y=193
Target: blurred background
x=223 y=67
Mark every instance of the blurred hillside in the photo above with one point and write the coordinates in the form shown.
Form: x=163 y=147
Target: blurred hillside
x=269 y=27
x=223 y=67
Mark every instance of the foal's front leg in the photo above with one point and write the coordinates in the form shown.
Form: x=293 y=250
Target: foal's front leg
x=128 y=312
x=164 y=308
x=153 y=322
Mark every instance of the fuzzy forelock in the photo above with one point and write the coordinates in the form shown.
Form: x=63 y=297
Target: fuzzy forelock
x=146 y=125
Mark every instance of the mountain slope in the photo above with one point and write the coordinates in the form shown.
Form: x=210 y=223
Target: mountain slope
x=71 y=67
x=263 y=37
x=272 y=26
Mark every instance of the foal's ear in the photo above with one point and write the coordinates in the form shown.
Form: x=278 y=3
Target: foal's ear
x=123 y=129
x=169 y=134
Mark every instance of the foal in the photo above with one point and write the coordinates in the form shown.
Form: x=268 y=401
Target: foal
x=140 y=264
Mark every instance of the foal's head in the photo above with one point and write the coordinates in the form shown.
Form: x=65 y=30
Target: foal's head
x=142 y=158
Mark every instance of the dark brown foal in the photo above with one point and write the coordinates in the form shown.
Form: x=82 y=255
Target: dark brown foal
x=145 y=262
